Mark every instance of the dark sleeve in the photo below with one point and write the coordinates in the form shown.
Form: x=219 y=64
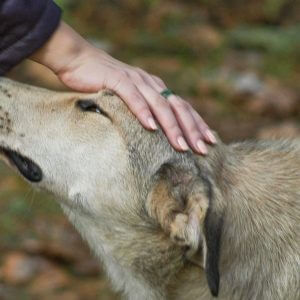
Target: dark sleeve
x=25 y=25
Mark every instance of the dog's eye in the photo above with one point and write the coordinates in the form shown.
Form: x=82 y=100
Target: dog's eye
x=89 y=105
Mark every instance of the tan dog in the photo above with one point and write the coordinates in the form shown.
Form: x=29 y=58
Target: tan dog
x=166 y=225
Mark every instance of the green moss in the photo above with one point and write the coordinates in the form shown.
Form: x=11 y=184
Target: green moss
x=272 y=40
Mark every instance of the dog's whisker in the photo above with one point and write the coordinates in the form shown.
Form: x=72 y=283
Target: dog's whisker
x=32 y=197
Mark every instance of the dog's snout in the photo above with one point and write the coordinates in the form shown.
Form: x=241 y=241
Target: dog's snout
x=5 y=91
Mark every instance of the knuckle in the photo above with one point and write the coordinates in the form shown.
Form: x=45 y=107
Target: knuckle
x=173 y=128
x=139 y=70
x=137 y=98
x=203 y=127
x=179 y=104
x=131 y=95
x=143 y=110
x=144 y=73
x=122 y=74
x=138 y=80
x=189 y=106
x=201 y=122
x=197 y=115
x=161 y=82
x=185 y=104
x=194 y=131
x=136 y=76
x=161 y=102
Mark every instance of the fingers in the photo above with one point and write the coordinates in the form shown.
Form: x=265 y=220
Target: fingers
x=150 y=87
x=154 y=81
x=144 y=98
x=159 y=82
x=187 y=122
x=180 y=122
x=194 y=129
x=136 y=102
x=203 y=127
x=165 y=116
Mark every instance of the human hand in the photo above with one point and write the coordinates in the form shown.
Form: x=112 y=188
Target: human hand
x=85 y=68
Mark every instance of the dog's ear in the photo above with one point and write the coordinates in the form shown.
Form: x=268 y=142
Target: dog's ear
x=183 y=208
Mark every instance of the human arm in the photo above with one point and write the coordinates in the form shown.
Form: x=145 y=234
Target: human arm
x=30 y=27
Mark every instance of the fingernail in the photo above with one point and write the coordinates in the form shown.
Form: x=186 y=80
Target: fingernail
x=201 y=147
x=152 y=123
x=182 y=143
x=211 y=137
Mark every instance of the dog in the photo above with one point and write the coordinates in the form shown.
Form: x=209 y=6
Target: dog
x=165 y=224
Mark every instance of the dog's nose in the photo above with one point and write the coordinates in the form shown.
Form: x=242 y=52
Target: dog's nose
x=30 y=170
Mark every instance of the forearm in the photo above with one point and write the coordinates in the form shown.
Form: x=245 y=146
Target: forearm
x=61 y=49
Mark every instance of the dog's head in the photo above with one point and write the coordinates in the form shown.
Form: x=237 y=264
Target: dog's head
x=95 y=156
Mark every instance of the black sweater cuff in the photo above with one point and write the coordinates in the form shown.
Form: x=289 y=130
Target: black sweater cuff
x=36 y=34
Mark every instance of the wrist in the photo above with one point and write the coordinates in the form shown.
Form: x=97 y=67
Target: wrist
x=63 y=47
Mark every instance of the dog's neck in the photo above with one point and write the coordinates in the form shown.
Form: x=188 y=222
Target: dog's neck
x=116 y=246
x=139 y=257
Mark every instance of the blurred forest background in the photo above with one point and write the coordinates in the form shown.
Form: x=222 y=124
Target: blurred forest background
x=236 y=61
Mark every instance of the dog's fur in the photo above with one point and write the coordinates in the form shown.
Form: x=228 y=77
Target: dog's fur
x=167 y=225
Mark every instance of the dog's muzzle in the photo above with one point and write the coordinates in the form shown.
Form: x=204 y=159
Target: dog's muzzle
x=30 y=170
